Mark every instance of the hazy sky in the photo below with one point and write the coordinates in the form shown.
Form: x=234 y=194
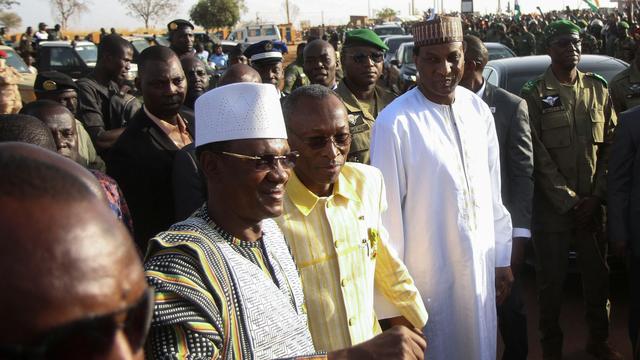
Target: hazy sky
x=110 y=13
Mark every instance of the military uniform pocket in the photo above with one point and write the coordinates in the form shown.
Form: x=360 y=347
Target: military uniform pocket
x=556 y=130
x=597 y=124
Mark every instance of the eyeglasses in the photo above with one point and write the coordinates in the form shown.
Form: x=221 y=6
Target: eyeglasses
x=268 y=162
x=85 y=338
x=566 y=42
x=319 y=142
x=376 y=57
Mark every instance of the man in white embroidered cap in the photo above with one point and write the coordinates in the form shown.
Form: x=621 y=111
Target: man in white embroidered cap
x=437 y=148
x=226 y=284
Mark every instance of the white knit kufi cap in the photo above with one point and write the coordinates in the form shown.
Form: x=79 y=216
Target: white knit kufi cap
x=239 y=111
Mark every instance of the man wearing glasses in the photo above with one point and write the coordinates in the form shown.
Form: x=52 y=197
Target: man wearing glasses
x=332 y=222
x=572 y=126
x=226 y=284
x=76 y=285
x=361 y=57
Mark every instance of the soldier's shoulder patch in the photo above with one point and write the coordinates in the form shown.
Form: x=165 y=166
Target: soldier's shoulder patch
x=529 y=86
x=598 y=77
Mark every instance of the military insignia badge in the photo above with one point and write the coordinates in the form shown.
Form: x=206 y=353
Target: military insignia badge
x=374 y=238
x=551 y=103
x=352 y=119
x=173 y=26
x=268 y=46
x=49 y=85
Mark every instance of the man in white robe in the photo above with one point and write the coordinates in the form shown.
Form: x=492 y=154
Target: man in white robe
x=438 y=151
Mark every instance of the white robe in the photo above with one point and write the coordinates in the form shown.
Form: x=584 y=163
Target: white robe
x=445 y=214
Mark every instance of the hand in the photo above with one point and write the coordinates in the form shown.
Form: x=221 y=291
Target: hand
x=504 y=280
x=398 y=342
x=401 y=320
x=518 y=245
x=585 y=210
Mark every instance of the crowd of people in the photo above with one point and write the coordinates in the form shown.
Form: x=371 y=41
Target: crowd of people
x=306 y=212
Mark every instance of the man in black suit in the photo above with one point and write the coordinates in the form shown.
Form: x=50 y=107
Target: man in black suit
x=623 y=206
x=516 y=165
x=142 y=158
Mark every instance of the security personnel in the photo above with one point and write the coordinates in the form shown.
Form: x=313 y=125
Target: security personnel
x=625 y=87
x=589 y=42
x=624 y=45
x=362 y=55
x=181 y=37
x=294 y=75
x=59 y=87
x=525 y=42
x=534 y=28
x=572 y=123
x=267 y=60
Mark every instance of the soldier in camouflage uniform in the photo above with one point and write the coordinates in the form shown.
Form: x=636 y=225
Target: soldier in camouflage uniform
x=589 y=42
x=525 y=42
x=294 y=75
x=362 y=54
x=624 y=46
x=534 y=29
x=625 y=87
x=572 y=125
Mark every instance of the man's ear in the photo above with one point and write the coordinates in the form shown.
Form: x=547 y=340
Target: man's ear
x=210 y=165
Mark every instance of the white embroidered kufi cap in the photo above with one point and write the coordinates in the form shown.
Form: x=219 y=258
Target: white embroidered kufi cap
x=239 y=111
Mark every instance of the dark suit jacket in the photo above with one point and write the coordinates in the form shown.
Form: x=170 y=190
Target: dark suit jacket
x=141 y=161
x=189 y=184
x=623 y=182
x=516 y=152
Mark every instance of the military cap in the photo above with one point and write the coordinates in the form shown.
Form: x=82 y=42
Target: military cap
x=53 y=81
x=623 y=24
x=438 y=30
x=561 y=27
x=263 y=52
x=179 y=23
x=364 y=37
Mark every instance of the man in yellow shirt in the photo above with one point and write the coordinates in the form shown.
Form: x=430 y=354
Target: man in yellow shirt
x=332 y=222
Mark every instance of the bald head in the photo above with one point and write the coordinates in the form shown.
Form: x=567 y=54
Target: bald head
x=65 y=254
x=26 y=129
x=474 y=50
x=320 y=63
x=240 y=73
x=61 y=122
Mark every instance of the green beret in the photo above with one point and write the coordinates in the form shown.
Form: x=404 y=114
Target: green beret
x=561 y=27
x=623 y=24
x=364 y=37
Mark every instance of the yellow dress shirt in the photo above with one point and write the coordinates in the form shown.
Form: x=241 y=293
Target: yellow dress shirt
x=340 y=248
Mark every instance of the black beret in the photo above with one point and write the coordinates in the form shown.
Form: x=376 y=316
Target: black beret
x=53 y=81
x=179 y=23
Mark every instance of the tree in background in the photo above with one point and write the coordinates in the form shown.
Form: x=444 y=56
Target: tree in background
x=63 y=10
x=386 y=14
x=150 y=10
x=212 y=14
x=10 y=20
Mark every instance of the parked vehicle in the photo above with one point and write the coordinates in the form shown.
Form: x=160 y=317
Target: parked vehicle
x=511 y=74
x=255 y=33
x=75 y=59
x=388 y=30
x=498 y=51
x=402 y=74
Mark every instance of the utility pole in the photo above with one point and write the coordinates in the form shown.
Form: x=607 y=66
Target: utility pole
x=286 y=4
x=369 y=8
x=413 y=7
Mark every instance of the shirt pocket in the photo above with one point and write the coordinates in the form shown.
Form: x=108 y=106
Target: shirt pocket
x=556 y=130
x=597 y=124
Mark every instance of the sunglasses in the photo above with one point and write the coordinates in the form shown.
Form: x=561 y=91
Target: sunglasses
x=268 y=162
x=319 y=142
x=566 y=42
x=84 y=338
x=360 y=58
